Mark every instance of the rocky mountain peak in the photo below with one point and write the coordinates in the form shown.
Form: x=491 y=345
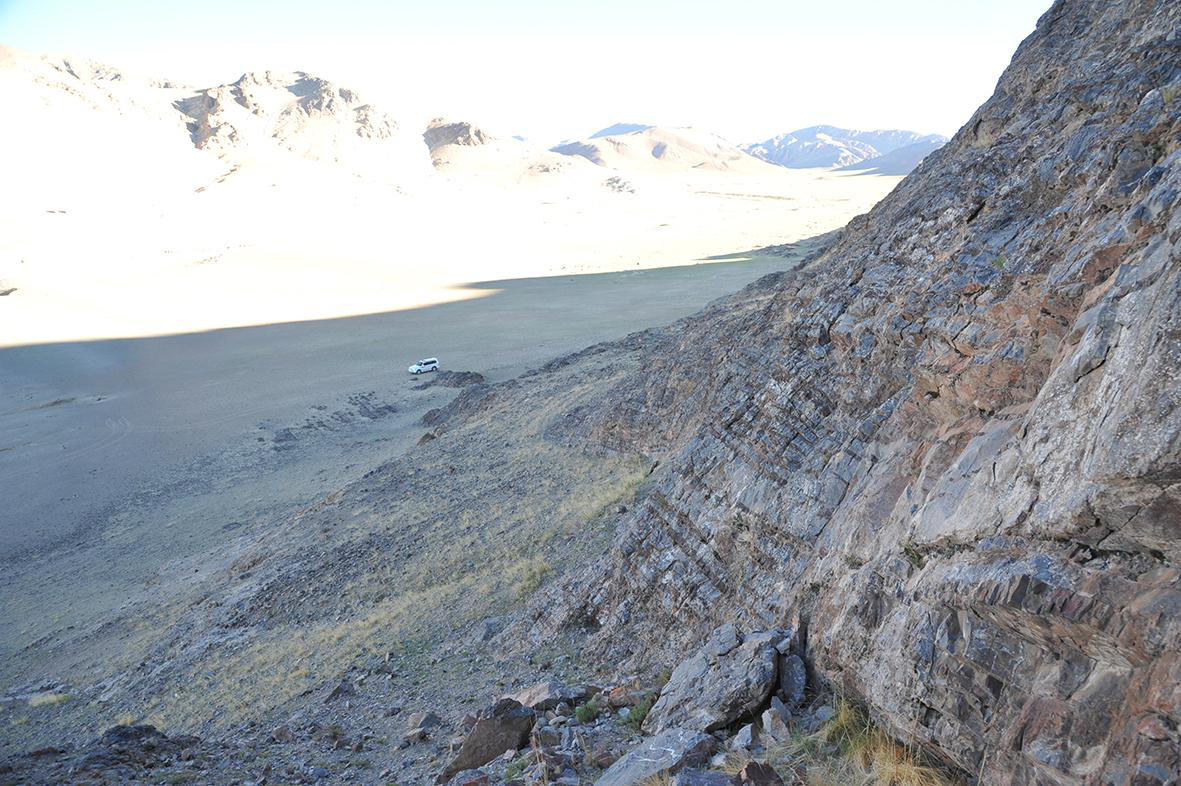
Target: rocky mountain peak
x=440 y=132
x=295 y=110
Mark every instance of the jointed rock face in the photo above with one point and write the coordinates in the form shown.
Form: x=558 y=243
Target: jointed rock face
x=951 y=445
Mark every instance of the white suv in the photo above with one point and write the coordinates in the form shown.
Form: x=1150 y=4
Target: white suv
x=424 y=365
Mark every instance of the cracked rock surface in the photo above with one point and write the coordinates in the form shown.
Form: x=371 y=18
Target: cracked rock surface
x=951 y=444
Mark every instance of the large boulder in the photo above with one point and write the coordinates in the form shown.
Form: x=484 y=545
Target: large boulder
x=728 y=678
x=665 y=753
x=504 y=726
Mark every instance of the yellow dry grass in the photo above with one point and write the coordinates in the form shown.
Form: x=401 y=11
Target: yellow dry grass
x=48 y=699
x=848 y=750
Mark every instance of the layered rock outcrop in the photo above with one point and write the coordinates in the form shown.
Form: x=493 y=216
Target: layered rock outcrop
x=952 y=444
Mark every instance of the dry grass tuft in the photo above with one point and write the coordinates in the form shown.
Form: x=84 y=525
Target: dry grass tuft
x=846 y=751
x=894 y=764
x=48 y=699
x=531 y=576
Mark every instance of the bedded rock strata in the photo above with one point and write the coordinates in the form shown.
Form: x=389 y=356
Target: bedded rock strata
x=951 y=445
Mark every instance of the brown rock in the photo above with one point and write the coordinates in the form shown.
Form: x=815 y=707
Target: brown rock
x=757 y=773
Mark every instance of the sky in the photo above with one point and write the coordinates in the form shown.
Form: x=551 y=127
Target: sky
x=551 y=70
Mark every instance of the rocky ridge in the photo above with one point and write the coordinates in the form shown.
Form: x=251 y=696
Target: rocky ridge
x=301 y=113
x=953 y=443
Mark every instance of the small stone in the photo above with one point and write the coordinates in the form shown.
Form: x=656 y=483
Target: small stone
x=568 y=778
x=548 y=694
x=744 y=740
x=824 y=714
x=423 y=720
x=545 y=737
x=417 y=734
x=603 y=758
x=282 y=734
x=343 y=688
x=775 y=721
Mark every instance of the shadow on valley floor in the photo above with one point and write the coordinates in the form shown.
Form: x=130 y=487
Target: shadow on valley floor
x=91 y=427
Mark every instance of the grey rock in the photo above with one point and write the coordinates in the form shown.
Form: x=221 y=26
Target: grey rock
x=775 y=721
x=422 y=720
x=504 y=726
x=722 y=641
x=744 y=740
x=548 y=694
x=694 y=777
x=469 y=778
x=721 y=682
x=793 y=680
x=666 y=752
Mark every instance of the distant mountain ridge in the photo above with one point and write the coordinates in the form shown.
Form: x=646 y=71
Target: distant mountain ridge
x=897 y=162
x=830 y=146
x=620 y=128
x=657 y=149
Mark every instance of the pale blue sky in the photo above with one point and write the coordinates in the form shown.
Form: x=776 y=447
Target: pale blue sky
x=746 y=69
